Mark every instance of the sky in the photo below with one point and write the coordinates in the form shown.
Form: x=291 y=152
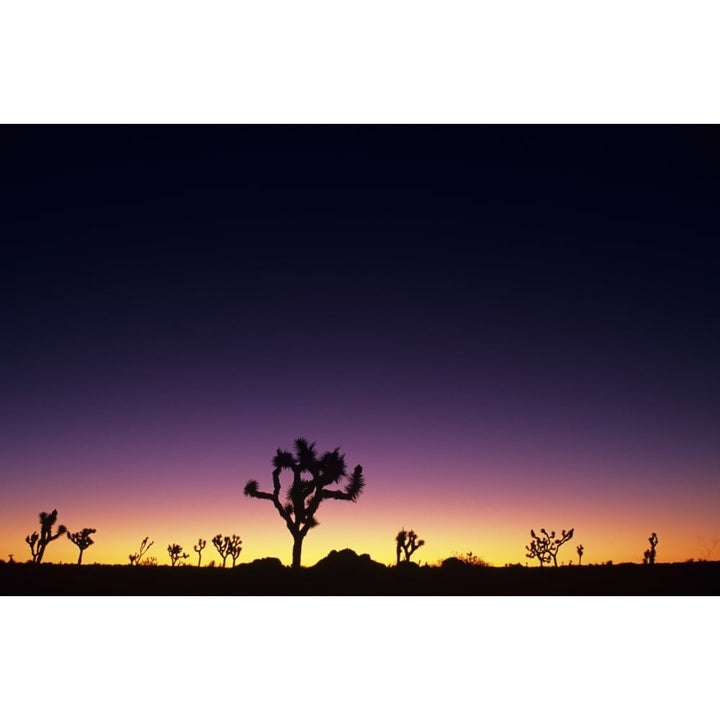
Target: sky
x=508 y=327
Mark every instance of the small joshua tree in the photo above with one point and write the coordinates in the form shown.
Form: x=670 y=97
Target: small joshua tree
x=538 y=548
x=39 y=541
x=649 y=554
x=82 y=539
x=135 y=558
x=33 y=541
x=235 y=548
x=545 y=547
x=228 y=546
x=222 y=545
x=580 y=550
x=199 y=548
x=407 y=542
x=312 y=478
x=176 y=553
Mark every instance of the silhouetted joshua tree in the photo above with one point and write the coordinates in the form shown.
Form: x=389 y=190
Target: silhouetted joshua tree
x=228 y=546
x=312 y=478
x=199 y=548
x=39 y=541
x=135 y=558
x=82 y=539
x=649 y=554
x=580 y=550
x=235 y=548
x=547 y=547
x=407 y=542
x=222 y=545
x=176 y=553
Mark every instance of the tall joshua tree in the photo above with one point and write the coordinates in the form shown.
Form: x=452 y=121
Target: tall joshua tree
x=312 y=478
x=407 y=542
x=199 y=548
x=649 y=554
x=82 y=539
x=545 y=546
x=39 y=541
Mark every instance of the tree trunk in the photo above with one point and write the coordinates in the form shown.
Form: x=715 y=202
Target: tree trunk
x=297 y=550
x=80 y=557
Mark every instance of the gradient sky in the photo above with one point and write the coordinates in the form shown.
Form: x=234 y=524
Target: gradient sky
x=508 y=327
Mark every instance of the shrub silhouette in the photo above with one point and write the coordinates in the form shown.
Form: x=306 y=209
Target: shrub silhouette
x=312 y=478
x=471 y=559
x=135 y=558
x=176 y=553
x=545 y=547
x=407 y=542
x=228 y=546
x=649 y=554
x=82 y=539
x=39 y=541
x=199 y=548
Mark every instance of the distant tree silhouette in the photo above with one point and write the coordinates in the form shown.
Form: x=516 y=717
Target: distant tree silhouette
x=135 y=558
x=82 y=539
x=649 y=554
x=39 y=541
x=580 y=550
x=222 y=546
x=235 y=548
x=228 y=546
x=407 y=542
x=545 y=547
x=708 y=546
x=176 y=553
x=199 y=548
x=312 y=477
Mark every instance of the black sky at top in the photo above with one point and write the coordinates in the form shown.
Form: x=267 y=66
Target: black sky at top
x=513 y=247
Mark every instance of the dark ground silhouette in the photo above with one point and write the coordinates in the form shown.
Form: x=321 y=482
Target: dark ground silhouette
x=346 y=573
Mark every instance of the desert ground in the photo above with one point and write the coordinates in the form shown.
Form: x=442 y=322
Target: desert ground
x=346 y=573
